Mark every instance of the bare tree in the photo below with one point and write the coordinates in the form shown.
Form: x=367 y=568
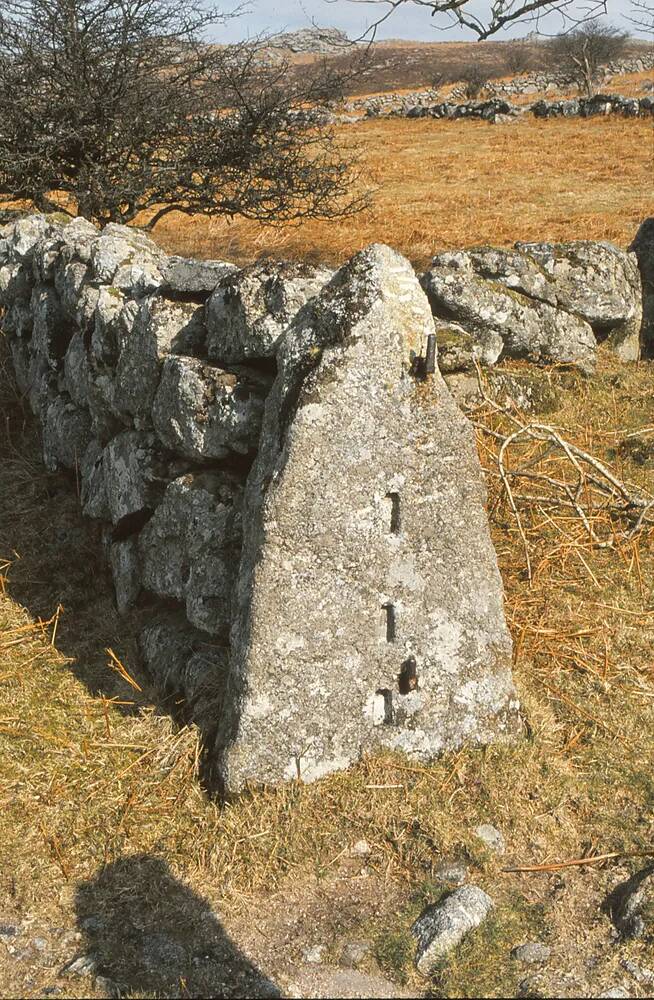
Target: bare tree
x=642 y=15
x=487 y=20
x=518 y=57
x=436 y=79
x=581 y=53
x=475 y=81
x=121 y=106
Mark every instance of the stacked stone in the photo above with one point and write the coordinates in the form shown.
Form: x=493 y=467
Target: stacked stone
x=542 y=302
x=281 y=472
x=599 y=104
x=498 y=111
x=484 y=110
x=538 y=82
x=381 y=103
x=148 y=375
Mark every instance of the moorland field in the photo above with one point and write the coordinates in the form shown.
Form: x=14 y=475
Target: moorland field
x=441 y=185
x=97 y=777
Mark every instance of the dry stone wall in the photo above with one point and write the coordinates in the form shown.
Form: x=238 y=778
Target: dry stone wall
x=542 y=302
x=283 y=477
x=497 y=110
x=537 y=82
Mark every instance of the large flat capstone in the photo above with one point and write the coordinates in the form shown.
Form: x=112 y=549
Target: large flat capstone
x=368 y=608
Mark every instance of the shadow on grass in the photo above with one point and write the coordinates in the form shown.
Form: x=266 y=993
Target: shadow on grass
x=149 y=934
x=52 y=561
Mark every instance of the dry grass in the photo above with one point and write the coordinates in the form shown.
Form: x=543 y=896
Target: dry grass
x=441 y=185
x=93 y=774
x=629 y=84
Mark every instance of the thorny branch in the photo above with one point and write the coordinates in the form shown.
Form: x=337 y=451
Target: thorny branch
x=112 y=108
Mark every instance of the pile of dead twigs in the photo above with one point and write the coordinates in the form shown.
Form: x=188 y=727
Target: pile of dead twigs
x=546 y=479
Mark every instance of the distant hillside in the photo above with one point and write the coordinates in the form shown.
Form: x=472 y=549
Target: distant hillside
x=398 y=65
x=318 y=41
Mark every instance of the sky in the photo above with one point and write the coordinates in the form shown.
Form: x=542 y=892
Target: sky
x=409 y=22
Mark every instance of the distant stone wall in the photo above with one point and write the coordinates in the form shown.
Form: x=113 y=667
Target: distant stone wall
x=538 y=82
x=282 y=480
x=498 y=110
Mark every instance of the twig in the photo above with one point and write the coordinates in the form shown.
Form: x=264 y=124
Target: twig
x=121 y=670
x=594 y=497
x=580 y=862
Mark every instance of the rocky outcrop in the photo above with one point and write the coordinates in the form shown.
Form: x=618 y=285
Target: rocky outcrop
x=322 y=41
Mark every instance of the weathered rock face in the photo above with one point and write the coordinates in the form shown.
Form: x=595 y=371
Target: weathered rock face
x=183 y=661
x=250 y=309
x=160 y=328
x=190 y=548
x=548 y=303
x=203 y=412
x=597 y=282
x=135 y=475
x=66 y=434
x=194 y=277
x=643 y=248
x=126 y=259
x=502 y=320
x=369 y=604
x=126 y=572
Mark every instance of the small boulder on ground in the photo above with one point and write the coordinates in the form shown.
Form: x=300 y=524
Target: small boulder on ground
x=354 y=954
x=491 y=837
x=532 y=953
x=444 y=925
